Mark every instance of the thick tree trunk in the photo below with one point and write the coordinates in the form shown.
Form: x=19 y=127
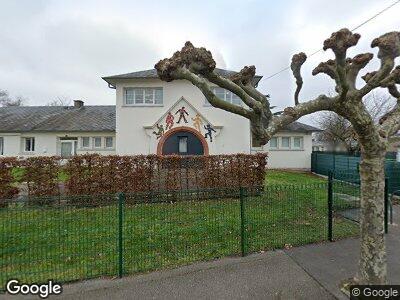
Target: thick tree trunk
x=372 y=264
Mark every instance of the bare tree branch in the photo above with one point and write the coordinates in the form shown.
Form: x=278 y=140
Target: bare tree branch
x=297 y=61
x=291 y=114
x=339 y=42
x=389 y=49
x=205 y=88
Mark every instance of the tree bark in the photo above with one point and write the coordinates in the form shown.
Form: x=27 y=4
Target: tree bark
x=372 y=264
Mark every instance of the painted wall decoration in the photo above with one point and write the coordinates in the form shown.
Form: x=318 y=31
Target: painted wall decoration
x=182 y=112
x=160 y=131
x=197 y=122
x=169 y=121
x=209 y=130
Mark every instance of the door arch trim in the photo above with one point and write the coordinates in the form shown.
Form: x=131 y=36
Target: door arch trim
x=178 y=129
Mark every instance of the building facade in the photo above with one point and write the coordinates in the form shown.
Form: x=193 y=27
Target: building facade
x=150 y=116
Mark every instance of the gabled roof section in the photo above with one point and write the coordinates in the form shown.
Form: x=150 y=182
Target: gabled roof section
x=152 y=73
x=57 y=118
x=300 y=127
x=174 y=106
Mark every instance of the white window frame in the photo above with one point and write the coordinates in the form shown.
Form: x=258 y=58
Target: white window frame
x=281 y=144
x=228 y=96
x=185 y=144
x=153 y=89
x=74 y=144
x=112 y=142
x=32 y=148
x=89 y=139
x=277 y=143
x=1 y=145
x=94 y=142
x=301 y=143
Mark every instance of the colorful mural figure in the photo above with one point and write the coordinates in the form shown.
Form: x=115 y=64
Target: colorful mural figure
x=209 y=130
x=160 y=131
x=197 y=122
x=169 y=121
x=182 y=112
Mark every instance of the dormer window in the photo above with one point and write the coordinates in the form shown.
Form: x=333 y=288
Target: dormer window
x=226 y=95
x=143 y=96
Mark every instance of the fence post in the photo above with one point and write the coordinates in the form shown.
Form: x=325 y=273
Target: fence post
x=386 y=205
x=330 y=206
x=243 y=238
x=334 y=162
x=121 y=199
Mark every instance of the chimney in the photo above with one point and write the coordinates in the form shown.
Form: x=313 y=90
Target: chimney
x=78 y=103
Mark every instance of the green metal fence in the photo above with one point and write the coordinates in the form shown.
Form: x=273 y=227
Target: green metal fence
x=344 y=201
x=345 y=166
x=74 y=238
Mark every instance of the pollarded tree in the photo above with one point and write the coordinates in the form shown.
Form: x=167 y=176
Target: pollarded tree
x=197 y=66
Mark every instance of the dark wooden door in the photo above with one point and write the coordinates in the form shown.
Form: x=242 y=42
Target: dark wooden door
x=183 y=143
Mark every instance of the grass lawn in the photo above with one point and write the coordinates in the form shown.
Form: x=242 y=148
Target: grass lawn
x=292 y=177
x=71 y=243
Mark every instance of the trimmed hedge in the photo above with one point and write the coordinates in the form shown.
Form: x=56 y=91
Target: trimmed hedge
x=7 y=187
x=95 y=174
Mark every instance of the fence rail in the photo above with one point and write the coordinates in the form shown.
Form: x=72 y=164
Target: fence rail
x=346 y=167
x=79 y=237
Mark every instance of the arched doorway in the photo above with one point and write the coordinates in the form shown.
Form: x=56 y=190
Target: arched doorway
x=182 y=141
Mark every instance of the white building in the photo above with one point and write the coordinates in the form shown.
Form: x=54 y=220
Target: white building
x=150 y=117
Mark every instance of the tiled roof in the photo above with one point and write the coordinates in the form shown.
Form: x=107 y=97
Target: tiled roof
x=57 y=118
x=152 y=73
x=300 y=127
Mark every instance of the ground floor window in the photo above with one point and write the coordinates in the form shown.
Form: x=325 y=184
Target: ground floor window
x=29 y=144
x=297 y=142
x=183 y=144
x=97 y=142
x=286 y=143
x=109 y=141
x=273 y=143
x=1 y=146
x=85 y=142
x=68 y=146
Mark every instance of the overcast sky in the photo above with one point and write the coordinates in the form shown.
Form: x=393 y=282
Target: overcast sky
x=62 y=48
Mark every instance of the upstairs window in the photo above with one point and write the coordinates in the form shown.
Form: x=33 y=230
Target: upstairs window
x=226 y=95
x=29 y=144
x=143 y=96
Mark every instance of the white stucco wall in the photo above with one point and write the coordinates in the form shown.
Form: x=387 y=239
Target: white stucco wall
x=234 y=135
x=48 y=144
x=289 y=158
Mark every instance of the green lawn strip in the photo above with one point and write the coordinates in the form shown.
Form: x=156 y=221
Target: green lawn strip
x=291 y=177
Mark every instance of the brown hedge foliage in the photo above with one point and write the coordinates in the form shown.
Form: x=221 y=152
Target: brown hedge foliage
x=7 y=188
x=41 y=175
x=95 y=174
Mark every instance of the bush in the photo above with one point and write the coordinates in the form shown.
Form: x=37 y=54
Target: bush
x=7 y=188
x=94 y=174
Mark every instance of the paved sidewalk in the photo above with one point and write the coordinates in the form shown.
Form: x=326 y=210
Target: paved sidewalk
x=271 y=275
x=330 y=263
